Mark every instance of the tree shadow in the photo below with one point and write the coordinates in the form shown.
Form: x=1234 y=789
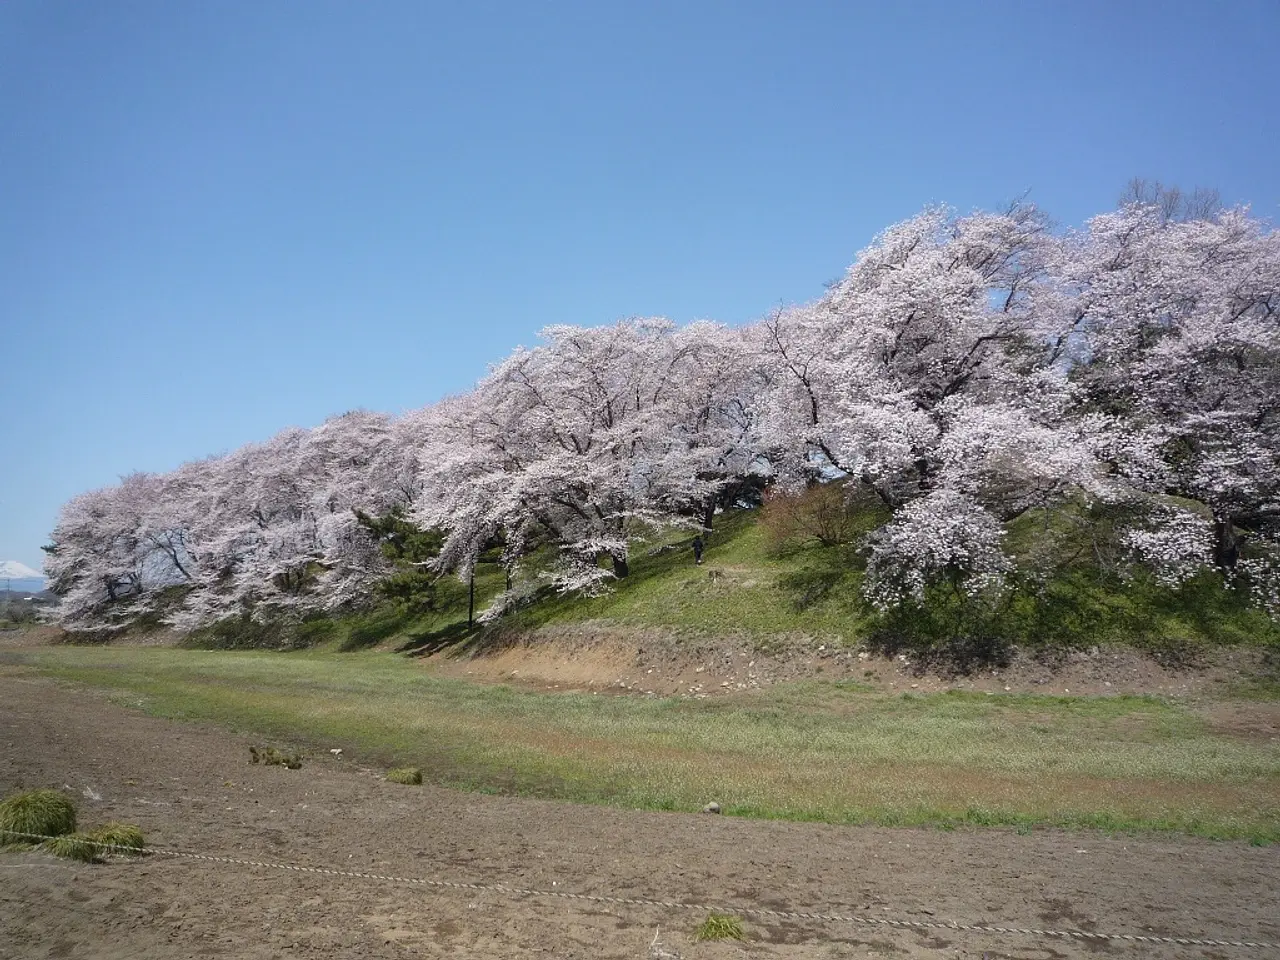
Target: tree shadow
x=374 y=627
x=816 y=583
x=453 y=635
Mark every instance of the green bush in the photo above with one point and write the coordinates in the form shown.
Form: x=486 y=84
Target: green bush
x=411 y=776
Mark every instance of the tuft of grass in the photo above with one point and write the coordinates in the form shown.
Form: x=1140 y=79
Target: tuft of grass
x=73 y=846
x=46 y=813
x=411 y=776
x=121 y=838
x=720 y=926
x=115 y=838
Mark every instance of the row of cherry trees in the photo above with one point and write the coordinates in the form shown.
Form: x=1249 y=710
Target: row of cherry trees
x=964 y=372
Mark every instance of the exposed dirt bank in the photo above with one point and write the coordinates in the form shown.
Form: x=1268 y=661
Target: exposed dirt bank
x=608 y=657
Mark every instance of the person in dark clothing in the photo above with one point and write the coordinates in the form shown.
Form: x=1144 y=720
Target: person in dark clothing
x=697 y=549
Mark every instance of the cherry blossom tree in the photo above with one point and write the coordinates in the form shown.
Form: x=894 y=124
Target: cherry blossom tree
x=587 y=441
x=964 y=371
x=930 y=375
x=1180 y=319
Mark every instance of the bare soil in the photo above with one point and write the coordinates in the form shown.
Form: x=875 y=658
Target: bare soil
x=610 y=658
x=191 y=787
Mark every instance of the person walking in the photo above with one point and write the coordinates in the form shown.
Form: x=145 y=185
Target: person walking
x=697 y=549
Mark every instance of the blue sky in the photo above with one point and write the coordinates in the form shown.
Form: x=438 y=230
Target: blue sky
x=220 y=219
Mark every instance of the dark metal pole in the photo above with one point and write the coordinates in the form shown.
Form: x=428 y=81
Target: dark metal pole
x=471 y=600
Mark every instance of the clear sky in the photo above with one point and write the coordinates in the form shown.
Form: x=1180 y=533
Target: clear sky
x=220 y=219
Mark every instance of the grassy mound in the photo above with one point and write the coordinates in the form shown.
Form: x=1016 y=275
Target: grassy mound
x=46 y=813
x=410 y=776
x=752 y=585
x=73 y=846
x=122 y=838
x=115 y=838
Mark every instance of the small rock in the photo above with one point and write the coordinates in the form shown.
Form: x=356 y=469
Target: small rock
x=711 y=807
x=336 y=751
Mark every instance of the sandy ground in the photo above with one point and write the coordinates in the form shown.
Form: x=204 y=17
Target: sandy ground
x=190 y=787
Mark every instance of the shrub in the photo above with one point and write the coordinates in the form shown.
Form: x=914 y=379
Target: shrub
x=827 y=514
x=410 y=776
x=46 y=813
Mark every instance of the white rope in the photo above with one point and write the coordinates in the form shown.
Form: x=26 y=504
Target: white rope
x=506 y=890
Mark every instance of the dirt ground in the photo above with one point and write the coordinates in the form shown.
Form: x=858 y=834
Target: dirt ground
x=191 y=788
x=610 y=658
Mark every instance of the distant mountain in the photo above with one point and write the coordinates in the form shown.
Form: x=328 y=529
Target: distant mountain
x=19 y=577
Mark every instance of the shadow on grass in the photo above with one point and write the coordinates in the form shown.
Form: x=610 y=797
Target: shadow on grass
x=457 y=636
x=373 y=627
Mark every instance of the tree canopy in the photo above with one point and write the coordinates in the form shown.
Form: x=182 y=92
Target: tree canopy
x=965 y=371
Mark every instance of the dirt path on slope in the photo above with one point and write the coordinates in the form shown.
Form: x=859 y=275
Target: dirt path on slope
x=191 y=788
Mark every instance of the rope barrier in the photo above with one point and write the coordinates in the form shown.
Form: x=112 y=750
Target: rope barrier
x=506 y=890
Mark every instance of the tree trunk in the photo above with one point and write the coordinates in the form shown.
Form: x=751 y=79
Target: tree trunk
x=1226 y=547
x=709 y=513
x=620 y=567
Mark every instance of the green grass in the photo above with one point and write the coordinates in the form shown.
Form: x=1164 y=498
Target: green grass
x=73 y=846
x=741 y=587
x=45 y=813
x=748 y=589
x=122 y=838
x=812 y=751
x=409 y=776
x=720 y=926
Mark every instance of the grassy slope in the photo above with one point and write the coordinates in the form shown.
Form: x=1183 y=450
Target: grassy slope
x=745 y=588
x=811 y=751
